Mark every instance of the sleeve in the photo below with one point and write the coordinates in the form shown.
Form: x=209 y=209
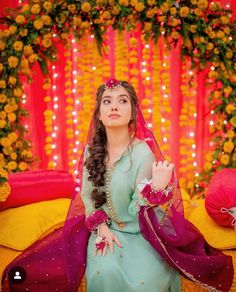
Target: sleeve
x=144 y=174
x=94 y=216
x=144 y=193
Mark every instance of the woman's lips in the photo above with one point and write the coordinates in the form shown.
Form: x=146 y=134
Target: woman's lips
x=114 y=116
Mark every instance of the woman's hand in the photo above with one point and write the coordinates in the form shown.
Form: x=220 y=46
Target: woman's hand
x=109 y=237
x=161 y=174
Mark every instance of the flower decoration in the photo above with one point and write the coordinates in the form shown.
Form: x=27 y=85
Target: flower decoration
x=112 y=84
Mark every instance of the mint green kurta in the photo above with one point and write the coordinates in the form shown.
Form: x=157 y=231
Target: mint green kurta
x=136 y=266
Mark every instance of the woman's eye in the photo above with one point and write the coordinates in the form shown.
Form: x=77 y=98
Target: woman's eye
x=106 y=101
x=123 y=100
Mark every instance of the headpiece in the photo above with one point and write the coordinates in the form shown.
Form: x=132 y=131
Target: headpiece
x=112 y=83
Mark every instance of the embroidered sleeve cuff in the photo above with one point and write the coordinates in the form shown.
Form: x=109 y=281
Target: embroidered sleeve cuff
x=96 y=218
x=155 y=196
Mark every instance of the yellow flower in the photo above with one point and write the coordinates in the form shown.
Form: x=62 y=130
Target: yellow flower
x=2 y=45
x=12 y=165
x=115 y=10
x=193 y=28
x=3 y=98
x=46 y=19
x=194 y=2
x=207 y=166
x=33 y=58
x=23 y=166
x=106 y=15
x=224 y=19
x=8 y=150
x=220 y=34
x=184 y=11
x=148 y=26
x=18 y=92
x=216 y=51
x=12 y=29
x=2 y=84
x=230 y=108
x=139 y=6
x=228 y=146
x=224 y=159
x=46 y=43
x=12 y=136
x=202 y=4
x=19 y=144
x=175 y=35
x=12 y=80
x=1 y=67
x=25 y=8
x=36 y=9
x=18 y=46
x=3 y=115
x=198 y=12
x=86 y=7
x=124 y=2
x=24 y=32
x=151 y=2
x=229 y=55
x=174 y=22
x=164 y=7
x=230 y=134
x=28 y=50
x=173 y=11
x=2 y=124
x=20 y=19
x=4 y=191
x=133 y=42
x=38 y=24
x=47 y=5
x=233 y=121
x=5 y=142
x=13 y=156
x=210 y=46
x=3 y=173
x=47 y=99
x=13 y=61
x=11 y=117
x=71 y=8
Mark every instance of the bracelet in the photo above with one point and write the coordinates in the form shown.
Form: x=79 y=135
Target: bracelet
x=95 y=219
x=157 y=196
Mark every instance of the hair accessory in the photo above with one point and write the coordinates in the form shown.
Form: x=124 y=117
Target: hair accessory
x=112 y=84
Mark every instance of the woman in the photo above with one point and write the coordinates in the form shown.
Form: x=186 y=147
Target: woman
x=116 y=163
x=128 y=233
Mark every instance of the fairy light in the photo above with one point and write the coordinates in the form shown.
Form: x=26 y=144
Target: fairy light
x=55 y=128
x=94 y=68
x=211 y=123
x=194 y=146
x=55 y=106
x=54 y=146
x=55 y=157
x=55 y=75
x=54 y=135
x=55 y=98
x=77 y=142
x=150 y=110
x=149 y=125
x=165 y=139
x=92 y=36
x=54 y=87
x=191 y=134
x=163 y=120
x=53 y=67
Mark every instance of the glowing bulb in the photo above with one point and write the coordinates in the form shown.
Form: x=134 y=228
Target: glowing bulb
x=147 y=46
x=53 y=146
x=53 y=67
x=76 y=133
x=193 y=154
x=94 y=68
x=212 y=112
x=75 y=150
x=75 y=121
x=143 y=63
x=77 y=102
x=163 y=120
x=195 y=115
x=74 y=72
x=163 y=87
x=55 y=157
x=144 y=70
x=74 y=90
x=212 y=68
x=147 y=78
x=73 y=41
x=92 y=36
x=55 y=75
x=191 y=134
x=55 y=106
x=196 y=174
x=75 y=50
x=195 y=164
x=54 y=135
x=165 y=139
x=54 y=87
x=74 y=161
x=211 y=123
x=149 y=110
x=55 y=98
x=164 y=64
x=54 y=117
x=77 y=142
x=149 y=125
x=194 y=146
x=191 y=72
x=55 y=128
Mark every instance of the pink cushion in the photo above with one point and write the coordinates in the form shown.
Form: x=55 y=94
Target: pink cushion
x=221 y=196
x=39 y=185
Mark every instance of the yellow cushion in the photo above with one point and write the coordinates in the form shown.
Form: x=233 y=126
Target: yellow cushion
x=22 y=226
x=216 y=235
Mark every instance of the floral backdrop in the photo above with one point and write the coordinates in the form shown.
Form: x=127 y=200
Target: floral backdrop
x=179 y=55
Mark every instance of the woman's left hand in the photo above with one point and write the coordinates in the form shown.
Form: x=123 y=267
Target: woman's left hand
x=161 y=174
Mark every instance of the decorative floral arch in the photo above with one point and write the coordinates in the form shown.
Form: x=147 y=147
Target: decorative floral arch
x=204 y=30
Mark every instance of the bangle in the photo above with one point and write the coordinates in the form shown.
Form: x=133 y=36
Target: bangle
x=95 y=219
x=157 y=196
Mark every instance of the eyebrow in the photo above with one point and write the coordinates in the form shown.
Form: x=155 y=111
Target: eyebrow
x=108 y=96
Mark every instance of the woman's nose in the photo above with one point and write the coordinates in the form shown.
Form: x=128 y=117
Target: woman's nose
x=114 y=105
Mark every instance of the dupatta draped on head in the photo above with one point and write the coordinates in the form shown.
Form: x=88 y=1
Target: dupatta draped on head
x=58 y=261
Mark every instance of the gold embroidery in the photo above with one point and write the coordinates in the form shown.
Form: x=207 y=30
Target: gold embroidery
x=112 y=213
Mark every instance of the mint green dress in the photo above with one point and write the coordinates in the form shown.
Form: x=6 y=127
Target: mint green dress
x=136 y=266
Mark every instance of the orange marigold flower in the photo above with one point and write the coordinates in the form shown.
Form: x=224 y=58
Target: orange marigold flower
x=46 y=43
x=38 y=24
x=184 y=11
x=36 y=9
x=2 y=84
x=86 y=7
x=33 y=58
x=2 y=45
x=12 y=29
x=20 y=19
x=224 y=159
x=46 y=19
x=24 y=32
x=12 y=80
x=3 y=98
x=18 y=46
x=175 y=35
x=47 y=5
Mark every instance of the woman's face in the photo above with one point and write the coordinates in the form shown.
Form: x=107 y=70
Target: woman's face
x=115 y=108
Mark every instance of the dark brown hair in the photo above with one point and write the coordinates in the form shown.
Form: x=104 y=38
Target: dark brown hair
x=95 y=163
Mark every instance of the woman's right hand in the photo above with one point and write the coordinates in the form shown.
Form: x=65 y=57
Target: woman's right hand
x=104 y=231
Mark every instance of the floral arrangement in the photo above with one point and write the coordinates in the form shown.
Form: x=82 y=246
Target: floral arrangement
x=204 y=30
